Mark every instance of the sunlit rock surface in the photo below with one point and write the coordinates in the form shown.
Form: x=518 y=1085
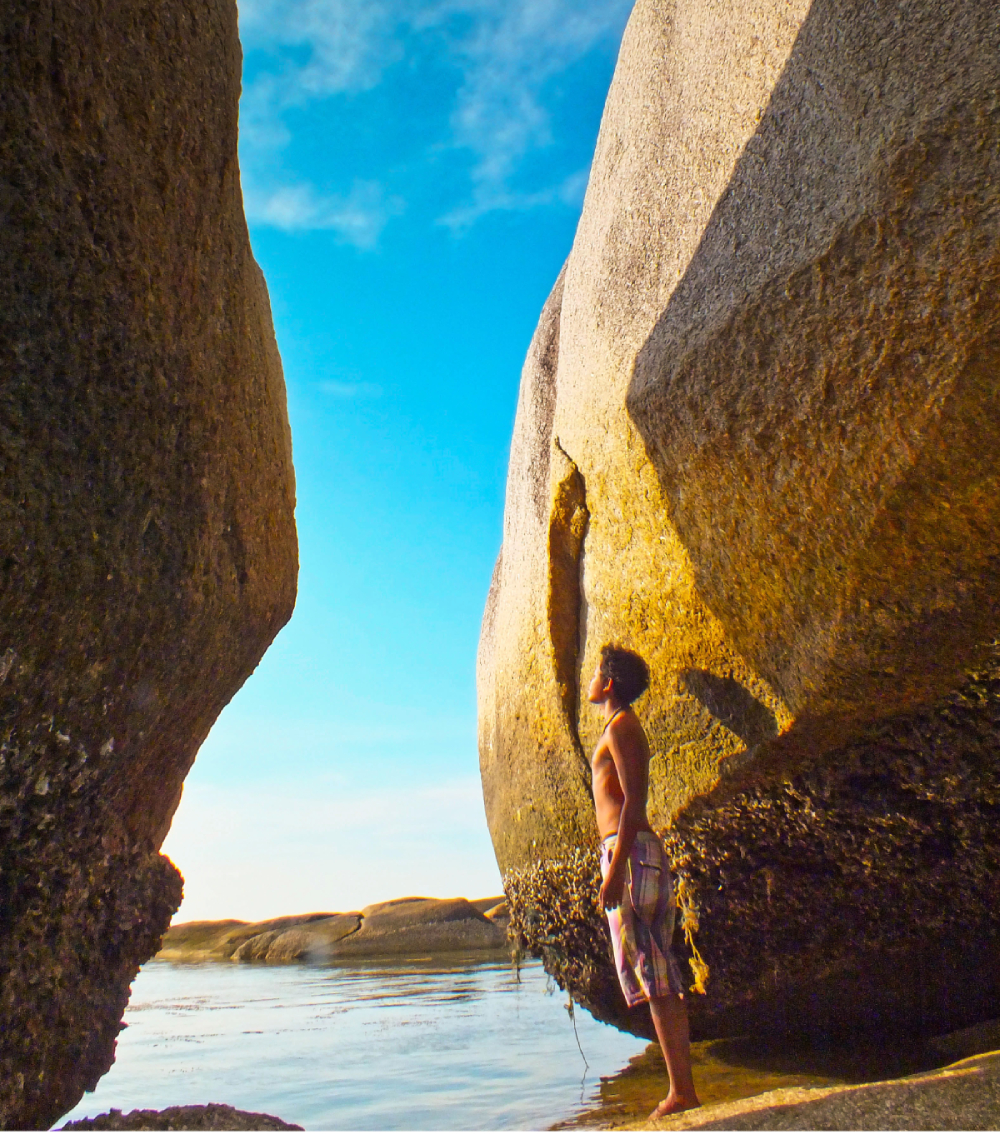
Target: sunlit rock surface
x=962 y=1096
x=293 y=938
x=756 y=441
x=754 y=1078
x=147 y=498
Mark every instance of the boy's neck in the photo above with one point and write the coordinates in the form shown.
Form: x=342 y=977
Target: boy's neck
x=612 y=706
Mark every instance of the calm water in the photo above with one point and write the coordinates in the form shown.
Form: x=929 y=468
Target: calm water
x=461 y=1046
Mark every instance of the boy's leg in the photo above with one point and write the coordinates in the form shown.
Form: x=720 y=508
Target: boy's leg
x=670 y=1019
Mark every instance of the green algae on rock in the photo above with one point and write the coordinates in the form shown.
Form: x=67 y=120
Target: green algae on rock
x=146 y=500
x=756 y=441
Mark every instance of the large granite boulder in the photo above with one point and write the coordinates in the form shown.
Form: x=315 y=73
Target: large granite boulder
x=146 y=501
x=757 y=441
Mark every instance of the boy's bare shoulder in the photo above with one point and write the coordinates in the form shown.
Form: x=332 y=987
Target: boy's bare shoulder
x=625 y=726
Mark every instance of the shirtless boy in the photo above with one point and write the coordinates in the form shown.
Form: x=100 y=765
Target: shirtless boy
x=637 y=891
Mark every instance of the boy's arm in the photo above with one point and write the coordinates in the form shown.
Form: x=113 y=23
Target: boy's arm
x=628 y=752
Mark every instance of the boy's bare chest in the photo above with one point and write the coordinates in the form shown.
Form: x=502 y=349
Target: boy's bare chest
x=604 y=772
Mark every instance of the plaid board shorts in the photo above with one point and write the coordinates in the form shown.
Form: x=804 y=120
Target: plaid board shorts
x=643 y=925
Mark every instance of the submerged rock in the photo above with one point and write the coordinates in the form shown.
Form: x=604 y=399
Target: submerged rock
x=756 y=441
x=214 y=1116
x=146 y=499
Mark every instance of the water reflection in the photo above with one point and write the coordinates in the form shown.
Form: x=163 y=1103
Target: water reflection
x=459 y=1044
x=444 y=1045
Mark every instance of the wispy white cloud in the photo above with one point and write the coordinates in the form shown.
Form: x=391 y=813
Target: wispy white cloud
x=489 y=197
x=320 y=48
x=358 y=218
x=513 y=50
x=347 y=43
x=507 y=54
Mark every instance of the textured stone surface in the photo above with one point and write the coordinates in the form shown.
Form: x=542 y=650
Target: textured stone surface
x=315 y=940
x=839 y=499
x=540 y=804
x=146 y=497
x=739 y=1070
x=756 y=441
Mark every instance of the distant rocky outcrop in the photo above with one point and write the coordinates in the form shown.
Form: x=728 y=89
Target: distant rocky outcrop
x=402 y=927
x=146 y=501
x=757 y=441
x=298 y=937
x=422 y=925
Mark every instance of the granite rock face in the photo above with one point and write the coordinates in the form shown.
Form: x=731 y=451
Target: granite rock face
x=756 y=441
x=146 y=499
x=535 y=776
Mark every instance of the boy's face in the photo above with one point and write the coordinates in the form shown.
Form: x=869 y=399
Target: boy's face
x=599 y=687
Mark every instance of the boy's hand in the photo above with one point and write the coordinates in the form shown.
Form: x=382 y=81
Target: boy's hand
x=612 y=887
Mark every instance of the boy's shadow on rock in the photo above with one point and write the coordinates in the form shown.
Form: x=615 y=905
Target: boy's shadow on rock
x=731 y=704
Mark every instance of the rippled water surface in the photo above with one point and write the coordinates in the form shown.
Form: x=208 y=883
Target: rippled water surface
x=454 y=1046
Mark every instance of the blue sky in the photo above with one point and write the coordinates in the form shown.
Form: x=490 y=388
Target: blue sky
x=412 y=174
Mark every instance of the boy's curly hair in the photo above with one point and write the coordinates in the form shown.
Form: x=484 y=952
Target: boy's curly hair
x=627 y=670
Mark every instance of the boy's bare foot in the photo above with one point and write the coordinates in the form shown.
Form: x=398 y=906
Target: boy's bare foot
x=673 y=1104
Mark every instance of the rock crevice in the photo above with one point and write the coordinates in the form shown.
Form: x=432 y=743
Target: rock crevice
x=567 y=533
